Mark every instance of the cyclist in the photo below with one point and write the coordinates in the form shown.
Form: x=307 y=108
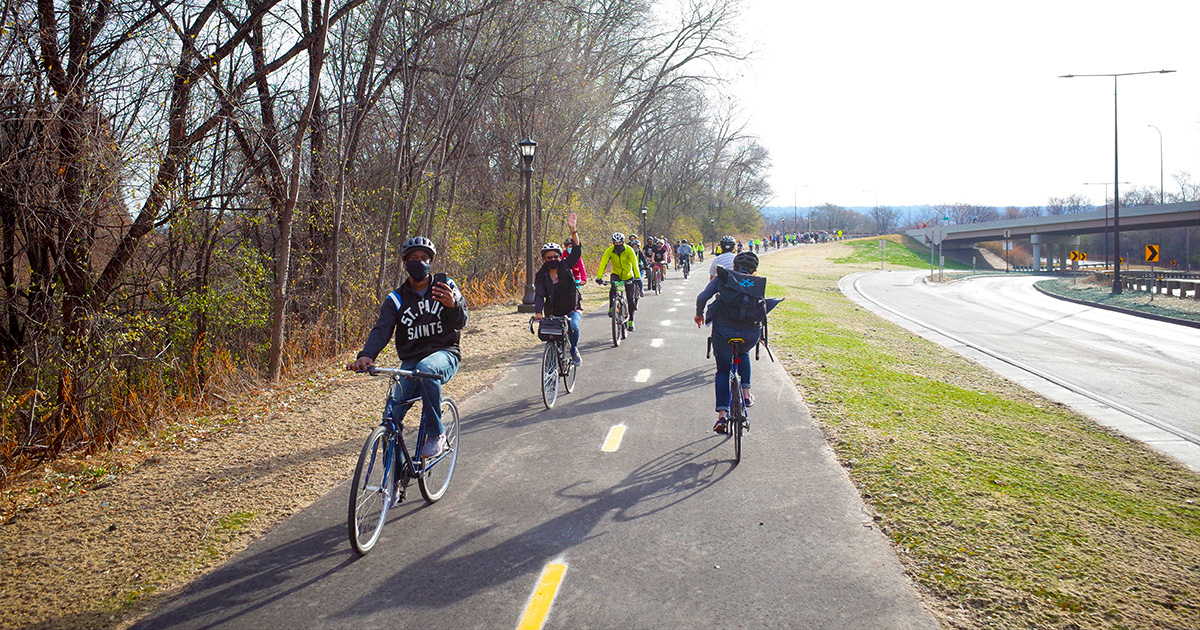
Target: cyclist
x=699 y=249
x=624 y=267
x=578 y=271
x=660 y=257
x=637 y=250
x=684 y=256
x=426 y=314
x=560 y=299
x=725 y=326
x=724 y=259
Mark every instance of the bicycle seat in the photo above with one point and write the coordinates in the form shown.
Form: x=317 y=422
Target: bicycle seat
x=737 y=340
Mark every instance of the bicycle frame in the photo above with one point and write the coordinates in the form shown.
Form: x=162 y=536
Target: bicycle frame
x=410 y=468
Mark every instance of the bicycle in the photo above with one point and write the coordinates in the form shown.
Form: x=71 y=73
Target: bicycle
x=737 y=418
x=687 y=266
x=656 y=272
x=556 y=359
x=618 y=310
x=386 y=467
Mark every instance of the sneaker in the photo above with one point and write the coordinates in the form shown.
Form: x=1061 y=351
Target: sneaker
x=722 y=426
x=575 y=358
x=434 y=447
x=748 y=399
x=630 y=326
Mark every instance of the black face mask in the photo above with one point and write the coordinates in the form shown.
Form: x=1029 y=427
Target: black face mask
x=618 y=248
x=418 y=270
x=550 y=264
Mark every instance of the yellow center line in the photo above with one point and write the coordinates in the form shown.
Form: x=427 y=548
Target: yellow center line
x=613 y=441
x=543 y=595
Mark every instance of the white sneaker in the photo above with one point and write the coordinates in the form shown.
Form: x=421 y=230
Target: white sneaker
x=434 y=447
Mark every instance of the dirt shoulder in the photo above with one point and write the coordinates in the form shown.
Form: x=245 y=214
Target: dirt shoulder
x=95 y=542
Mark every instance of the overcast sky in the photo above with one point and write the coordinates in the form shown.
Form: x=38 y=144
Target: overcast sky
x=928 y=102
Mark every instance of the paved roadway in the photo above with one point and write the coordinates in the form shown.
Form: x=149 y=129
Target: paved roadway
x=1137 y=375
x=662 y=533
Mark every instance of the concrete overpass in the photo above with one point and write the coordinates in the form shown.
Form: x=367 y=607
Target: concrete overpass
x=1064 y=229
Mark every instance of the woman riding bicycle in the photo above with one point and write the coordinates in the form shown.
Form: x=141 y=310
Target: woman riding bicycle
x=426 y=317
x=555 y=290
x=725 y=326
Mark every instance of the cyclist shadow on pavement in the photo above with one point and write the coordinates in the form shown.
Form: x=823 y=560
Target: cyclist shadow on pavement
x=475 y=563
x=255 y=581
x=529 y=410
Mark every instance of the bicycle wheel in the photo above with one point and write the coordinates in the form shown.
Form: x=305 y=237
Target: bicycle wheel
x=369 y=491
x=436 y=476
x=616 y=327
x=568 y=369
x=658 y=283
x=624 y=320
x=737 y=416
x=550 y=375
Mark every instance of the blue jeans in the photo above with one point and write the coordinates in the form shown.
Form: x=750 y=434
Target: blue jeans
x=574 y=318
x=443 y=363
x=723 y=352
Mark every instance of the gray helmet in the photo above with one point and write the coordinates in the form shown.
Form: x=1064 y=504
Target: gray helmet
x=727 y=243
x=419 y=242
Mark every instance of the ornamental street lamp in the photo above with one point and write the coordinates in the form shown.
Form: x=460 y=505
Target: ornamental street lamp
x=1116 y=285
x=643 y=221
x=527 y=147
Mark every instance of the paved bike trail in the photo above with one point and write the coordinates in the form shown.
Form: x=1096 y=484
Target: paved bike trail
x=663 y=532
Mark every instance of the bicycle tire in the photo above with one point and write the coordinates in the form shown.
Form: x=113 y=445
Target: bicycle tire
x=550 y=375
x=616 y=327
x=436 y=478
x=658 y=283
x=569 y=373
x=369 y=490
x=737 y=415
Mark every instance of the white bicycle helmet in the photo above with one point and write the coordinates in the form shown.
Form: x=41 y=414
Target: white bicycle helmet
x=552 y=247
x=618 y=237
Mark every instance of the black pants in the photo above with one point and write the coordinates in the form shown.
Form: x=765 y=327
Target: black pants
x=631 y=293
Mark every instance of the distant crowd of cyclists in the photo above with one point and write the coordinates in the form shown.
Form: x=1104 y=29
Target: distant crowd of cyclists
x=426 y=313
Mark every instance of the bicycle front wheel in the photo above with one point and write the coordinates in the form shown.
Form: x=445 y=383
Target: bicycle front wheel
x=616 y=327
x=373 y=478
x=435 y=477
x=550 y=375
x=568 y=372
x=737 y=416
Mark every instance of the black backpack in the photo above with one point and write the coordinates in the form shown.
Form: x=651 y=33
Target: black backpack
x=741 y=300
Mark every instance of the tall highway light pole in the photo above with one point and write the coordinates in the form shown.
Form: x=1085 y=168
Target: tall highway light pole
x=1116 y=285
x=527 y=147
x=1160 y=166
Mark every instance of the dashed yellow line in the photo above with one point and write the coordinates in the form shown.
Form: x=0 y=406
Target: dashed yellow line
x=613 y=441
x=543 y=595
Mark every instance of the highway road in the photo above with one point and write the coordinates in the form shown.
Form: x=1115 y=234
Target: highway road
x=1138 y=375
x=663 y=532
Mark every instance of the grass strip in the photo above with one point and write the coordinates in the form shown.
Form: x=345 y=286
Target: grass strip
x=1007 y=510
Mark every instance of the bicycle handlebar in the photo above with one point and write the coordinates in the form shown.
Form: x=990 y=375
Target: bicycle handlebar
x=400 y=372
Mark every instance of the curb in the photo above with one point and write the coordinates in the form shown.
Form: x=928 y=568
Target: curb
x=1127 y=311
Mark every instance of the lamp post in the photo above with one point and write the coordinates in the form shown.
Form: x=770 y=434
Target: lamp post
x=712 y=226
x=1161 y=197
x=643 y=221
x=1116 y=285
x=527 y=147
x=1105 y=185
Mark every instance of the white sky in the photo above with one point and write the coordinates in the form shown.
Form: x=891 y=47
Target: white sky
x=928 y=102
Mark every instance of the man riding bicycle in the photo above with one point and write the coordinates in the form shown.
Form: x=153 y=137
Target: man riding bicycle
x=724 y=259
x=625 y=268
x=684 y=256
x=426 y=314
x=555 y=288
x=660 y=256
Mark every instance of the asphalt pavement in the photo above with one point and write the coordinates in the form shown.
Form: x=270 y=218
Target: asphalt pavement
x=540 y=525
